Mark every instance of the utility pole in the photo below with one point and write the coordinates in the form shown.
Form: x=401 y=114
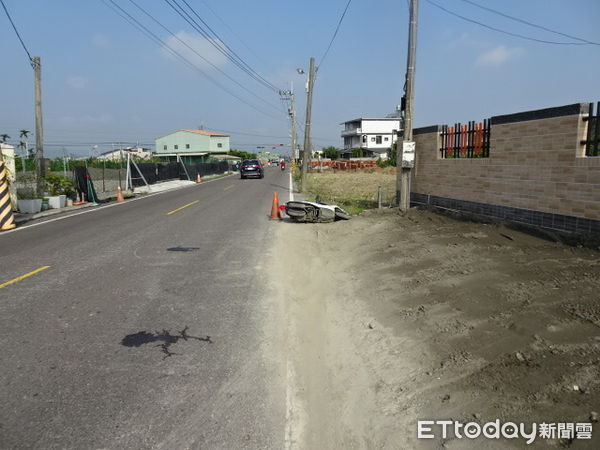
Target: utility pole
x=289 y=96
x=406 y=153
x=39 y=126
x=306 y=153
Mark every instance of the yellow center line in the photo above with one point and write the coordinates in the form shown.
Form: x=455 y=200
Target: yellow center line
x=229 y=187
x=181 y=207
x=22 y=277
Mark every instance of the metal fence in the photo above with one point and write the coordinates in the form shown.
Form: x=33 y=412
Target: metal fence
x=466 y=141
x=592 y=141
x=205 y=169
x=157 y=172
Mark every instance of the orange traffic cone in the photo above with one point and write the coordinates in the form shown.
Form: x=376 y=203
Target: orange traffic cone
x=198 y=179
x=120 y=195
x=275 y=215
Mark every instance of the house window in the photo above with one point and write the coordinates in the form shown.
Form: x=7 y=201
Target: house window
x=386 y=139
x=219 y=145
x=364 y=138
x=378 y=140
x=164 y=147
x=187 y=146
x=372 y=139
x=176 y=147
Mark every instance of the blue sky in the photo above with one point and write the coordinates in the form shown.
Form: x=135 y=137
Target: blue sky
x=105 y=82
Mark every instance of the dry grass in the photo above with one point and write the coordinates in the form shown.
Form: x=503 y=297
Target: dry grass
x=353 y=191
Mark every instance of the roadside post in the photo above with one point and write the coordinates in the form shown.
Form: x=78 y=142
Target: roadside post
x=6 y=213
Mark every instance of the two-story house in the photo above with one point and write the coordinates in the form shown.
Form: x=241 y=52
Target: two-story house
x=374 y=136
x=192 y=145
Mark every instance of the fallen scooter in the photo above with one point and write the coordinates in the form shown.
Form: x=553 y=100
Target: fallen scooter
x=301 y=211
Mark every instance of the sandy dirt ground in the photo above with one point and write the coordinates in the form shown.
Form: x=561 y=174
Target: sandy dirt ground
x=392 y=319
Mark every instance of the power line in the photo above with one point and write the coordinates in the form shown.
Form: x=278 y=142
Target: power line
x=275 y=88
x=233 y=32
x=335 y=33
x=529 y=23
x=499 y=30
x=201 y=56
x=137 y=24
x=213 y=39
x=16 y=32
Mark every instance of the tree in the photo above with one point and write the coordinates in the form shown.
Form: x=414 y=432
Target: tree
x=24 y=134
x=331 y=152
x=4 y=137
x=243 y=155
x=357 y=153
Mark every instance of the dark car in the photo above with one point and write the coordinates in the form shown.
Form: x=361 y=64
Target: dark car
x=251 y=168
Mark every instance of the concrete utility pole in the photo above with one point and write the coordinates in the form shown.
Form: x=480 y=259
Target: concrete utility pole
x=405 y=154
x=40 y=168
x=289 y=96
x=306 y=153
x=292 y=113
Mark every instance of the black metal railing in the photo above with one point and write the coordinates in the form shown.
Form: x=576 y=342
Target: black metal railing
x=156 y=172
x=204 y=169
x=466 y=141
x=592 y=140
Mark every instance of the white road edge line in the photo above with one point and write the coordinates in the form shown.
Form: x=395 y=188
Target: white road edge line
x=291 y=187
x=104 y=207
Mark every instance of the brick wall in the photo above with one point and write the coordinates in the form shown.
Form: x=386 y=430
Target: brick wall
x=536 y=165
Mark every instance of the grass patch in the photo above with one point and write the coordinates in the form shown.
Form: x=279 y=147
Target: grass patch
x=353 y=191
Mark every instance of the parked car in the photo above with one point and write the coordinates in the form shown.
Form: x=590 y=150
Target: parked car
x=251 y=168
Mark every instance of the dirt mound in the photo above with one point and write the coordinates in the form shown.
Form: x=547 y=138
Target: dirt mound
x=401 y=318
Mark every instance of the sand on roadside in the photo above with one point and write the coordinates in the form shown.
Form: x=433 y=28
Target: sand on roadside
x=392 y=319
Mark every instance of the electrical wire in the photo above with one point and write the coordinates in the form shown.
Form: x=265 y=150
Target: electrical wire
x=137 y=24
x=213 y=39
x=201 y=56
x=275 y=88
x=528 y=23
x=335 y=33
x=500 y=30
x=233 y=32
x=16 y=32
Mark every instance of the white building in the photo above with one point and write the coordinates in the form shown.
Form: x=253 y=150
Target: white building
x=374 y=136
x=117 y=154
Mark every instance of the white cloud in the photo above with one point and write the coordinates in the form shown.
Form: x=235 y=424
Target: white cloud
x=77 y=82
x=193 y=46
x=498 y=56
x=100 y=40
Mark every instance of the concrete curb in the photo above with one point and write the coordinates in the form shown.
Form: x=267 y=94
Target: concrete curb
x=22 y=218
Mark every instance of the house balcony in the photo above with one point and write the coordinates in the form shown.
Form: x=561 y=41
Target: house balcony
x=352 y=132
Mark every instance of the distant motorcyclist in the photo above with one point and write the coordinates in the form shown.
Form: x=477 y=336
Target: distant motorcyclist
x=282 y=164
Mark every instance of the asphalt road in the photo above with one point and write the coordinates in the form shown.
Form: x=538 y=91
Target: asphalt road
x=149 y=329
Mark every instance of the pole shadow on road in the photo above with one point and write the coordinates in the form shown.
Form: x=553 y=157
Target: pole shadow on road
x=168 y=339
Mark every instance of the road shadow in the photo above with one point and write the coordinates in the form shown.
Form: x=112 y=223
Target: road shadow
x=182 y=249
x=168 y=339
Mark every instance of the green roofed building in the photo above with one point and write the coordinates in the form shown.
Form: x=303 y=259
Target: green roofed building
x=192 y=146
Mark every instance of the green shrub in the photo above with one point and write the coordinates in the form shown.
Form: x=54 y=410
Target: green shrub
x=59 y=185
